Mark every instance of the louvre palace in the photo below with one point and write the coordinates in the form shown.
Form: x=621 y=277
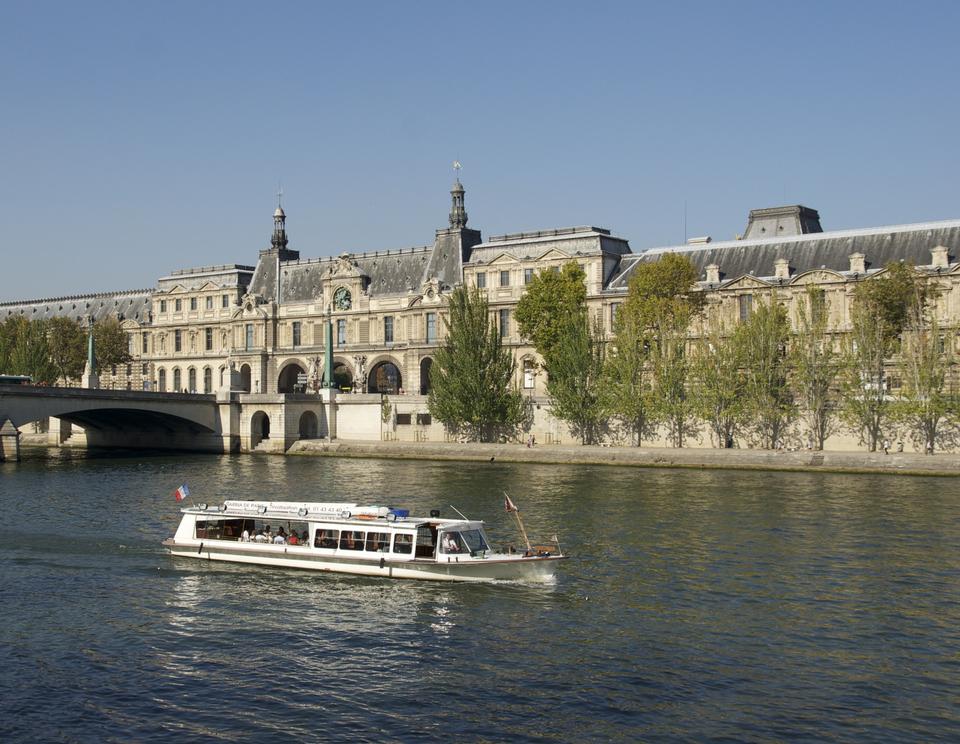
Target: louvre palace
x=259 y=328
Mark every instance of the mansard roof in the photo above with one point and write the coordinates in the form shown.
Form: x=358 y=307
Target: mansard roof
x=825 y=250
x=223 y=275
x=127 y=305
x=569 y=241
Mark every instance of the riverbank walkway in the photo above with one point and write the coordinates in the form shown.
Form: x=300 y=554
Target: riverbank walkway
x=699 y=458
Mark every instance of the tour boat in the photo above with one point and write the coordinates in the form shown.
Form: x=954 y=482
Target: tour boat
x=354 y=539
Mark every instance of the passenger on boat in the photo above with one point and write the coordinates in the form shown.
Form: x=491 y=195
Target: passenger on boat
x=293 y=539
x=281 y=532
x=450 y=544
x=245 y=537
x=303 y=538
x=279 y=539
x=261 y=538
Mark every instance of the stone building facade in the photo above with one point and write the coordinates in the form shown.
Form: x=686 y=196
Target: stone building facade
x=267 y=322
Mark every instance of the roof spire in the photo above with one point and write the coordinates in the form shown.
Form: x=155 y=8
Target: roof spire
x=458 y=212
x=279 y=239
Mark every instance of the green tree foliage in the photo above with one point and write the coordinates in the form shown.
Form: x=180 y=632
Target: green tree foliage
x=628 y=378
x=814 y=368
x=67 y=341
x=762 y=346
x=575 y=377
x=471 y=378
x=926 y=403
x=112 y=346
x=716 y=376
x=9 y=329
x=877 y=317
x=552 y=299
x=28 y=351
x=662 y=300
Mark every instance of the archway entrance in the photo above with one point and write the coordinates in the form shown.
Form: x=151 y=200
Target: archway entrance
x=259 y=428
x=309 y=427
x=385 y=378
x=342 y=377
x=245 y=378
x=287 y=382
x=426 y=364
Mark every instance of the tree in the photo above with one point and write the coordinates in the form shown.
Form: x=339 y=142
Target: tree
x=925 y=360
x=716 y=376
x=471 y=377
x=30 y=352
x=552 y=299
x=762 y=346
x=815 y=367
x=628 y=378
x=574 y=377
x=67 y=341
x=877 y=317
x=112 y=345
x=662 y=300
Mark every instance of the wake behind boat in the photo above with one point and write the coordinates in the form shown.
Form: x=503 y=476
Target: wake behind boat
x=349 y=538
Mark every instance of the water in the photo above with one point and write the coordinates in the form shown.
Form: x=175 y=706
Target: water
x=697 y=606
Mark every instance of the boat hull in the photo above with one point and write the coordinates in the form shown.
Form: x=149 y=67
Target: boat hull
x=534 y=569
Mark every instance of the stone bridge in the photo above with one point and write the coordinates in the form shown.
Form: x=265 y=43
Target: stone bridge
x=120 y=418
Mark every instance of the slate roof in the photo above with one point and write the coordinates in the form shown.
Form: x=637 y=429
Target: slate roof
x=128 y=305
x=829 y=250
x=223 y=275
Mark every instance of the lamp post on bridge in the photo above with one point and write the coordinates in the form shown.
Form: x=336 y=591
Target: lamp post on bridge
x=90 y=379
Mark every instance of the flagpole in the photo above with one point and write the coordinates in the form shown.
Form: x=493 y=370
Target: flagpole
x=523 y=531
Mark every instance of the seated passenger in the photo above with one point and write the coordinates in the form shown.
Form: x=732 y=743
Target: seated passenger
x=293 y=539
x=304 y=538
x=281 y=531
x=261 y=538
x=279 y=540
x=450 y=544
x=245 y=537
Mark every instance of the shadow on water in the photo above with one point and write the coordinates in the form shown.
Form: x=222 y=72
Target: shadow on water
x=696 y=604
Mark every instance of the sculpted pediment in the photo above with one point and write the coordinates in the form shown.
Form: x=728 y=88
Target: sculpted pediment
x=503 y=258
x=746 y=282
x=346 y=267
x=208 y=285
x=554 y=255
x=818 y=276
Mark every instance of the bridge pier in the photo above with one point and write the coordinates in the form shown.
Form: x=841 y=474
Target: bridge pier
x=9 y=441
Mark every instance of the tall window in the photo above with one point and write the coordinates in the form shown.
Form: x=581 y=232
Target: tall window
x=481 y=280
x=818 y=303
x=210 y=303
x=388 y=329
x=192 y=380
x=248 y=341
x=208 y=339
x=178 y=340
x=614 y=312
x=431 y=327
x=746 y=306
x=225 y=301
x=528 y=374
x=163 y=306
x=207 y=380
x=145 y=342
x=504 y=278
x=177 y=305
x=162 y=380
x=193 y=303
x=341 y=332
x=504 y=323
x=176 y=380
x=296 y=333
x=527 y=276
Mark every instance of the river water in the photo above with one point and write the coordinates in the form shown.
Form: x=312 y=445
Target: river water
x=697 y=605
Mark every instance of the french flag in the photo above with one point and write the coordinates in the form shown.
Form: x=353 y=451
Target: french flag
x=181 y=493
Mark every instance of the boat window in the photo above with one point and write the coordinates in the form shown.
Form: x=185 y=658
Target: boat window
x=474 y=541
x=221 y=529
x=327 y=539
x=378 y=541
x=403 y=543
x=351 y=540
x=451 y=542
x=426 y=541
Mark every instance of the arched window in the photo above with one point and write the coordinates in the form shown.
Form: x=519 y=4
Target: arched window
x=207 y=380
x=192 y=380
x=162 y=381
x=385 y=378
x=426 y=364
x=176 y=380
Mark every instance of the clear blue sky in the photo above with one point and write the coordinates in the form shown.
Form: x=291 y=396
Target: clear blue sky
x=139 y=138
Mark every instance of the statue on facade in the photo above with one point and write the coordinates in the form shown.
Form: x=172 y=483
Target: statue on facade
x=360 y=383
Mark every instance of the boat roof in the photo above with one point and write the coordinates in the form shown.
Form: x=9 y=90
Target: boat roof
x=312 y=511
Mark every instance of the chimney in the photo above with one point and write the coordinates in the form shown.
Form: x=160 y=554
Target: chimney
x=858 y=263
x=940 y=257
x=781 y=268
x=713 y=274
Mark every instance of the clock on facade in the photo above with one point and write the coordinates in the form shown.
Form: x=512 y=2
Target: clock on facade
x=341 y=299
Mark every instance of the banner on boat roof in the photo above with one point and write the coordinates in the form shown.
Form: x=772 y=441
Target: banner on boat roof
x=303 y=508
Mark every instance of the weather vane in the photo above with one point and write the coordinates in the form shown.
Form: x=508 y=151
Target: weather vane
x=279 y=194
x=457 y=167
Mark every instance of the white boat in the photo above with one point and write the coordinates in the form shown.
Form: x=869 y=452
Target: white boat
x=349 y=538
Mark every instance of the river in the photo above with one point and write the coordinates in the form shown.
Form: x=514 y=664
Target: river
x=697 y=605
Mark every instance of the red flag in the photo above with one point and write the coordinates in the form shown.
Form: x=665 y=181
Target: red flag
x=181 y=493
x=509 y=505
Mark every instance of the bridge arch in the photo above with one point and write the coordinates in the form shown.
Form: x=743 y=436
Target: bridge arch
x=259 y=428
